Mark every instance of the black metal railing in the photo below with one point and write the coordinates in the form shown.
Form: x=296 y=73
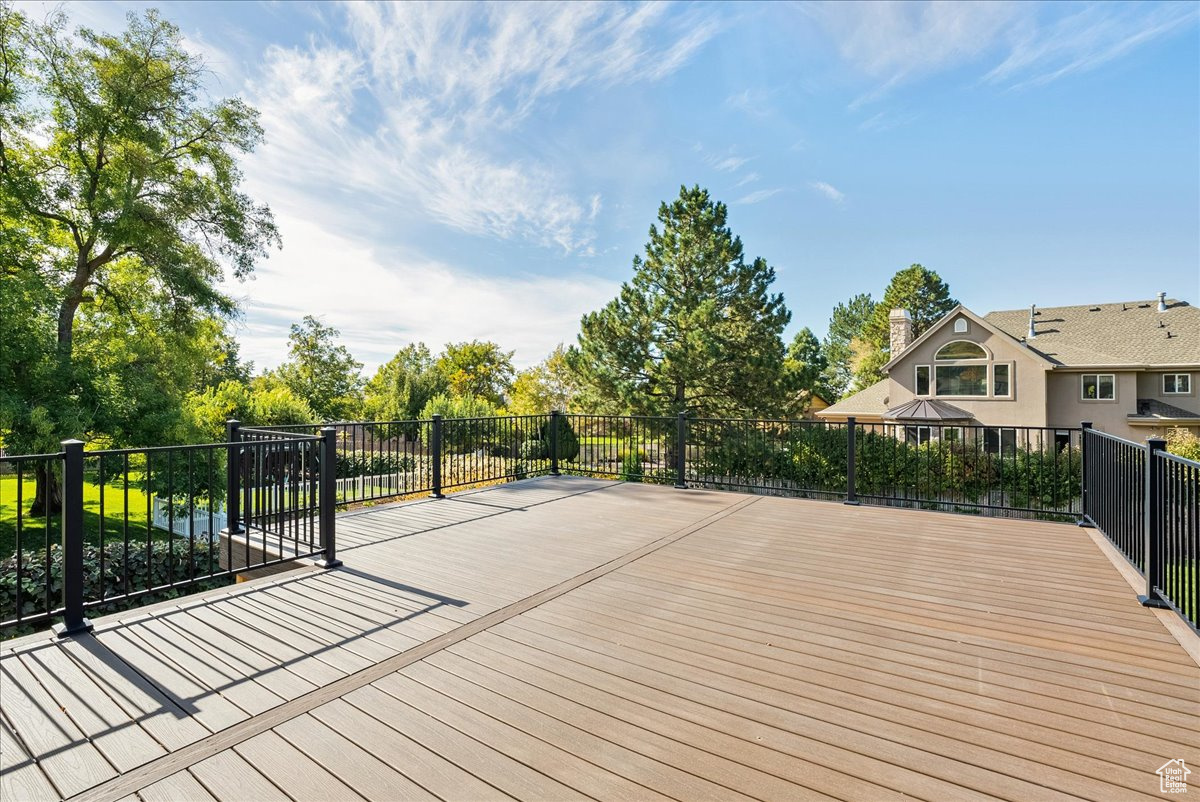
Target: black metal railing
x=99 y=530
x=1114 y=497
x=1146 y=502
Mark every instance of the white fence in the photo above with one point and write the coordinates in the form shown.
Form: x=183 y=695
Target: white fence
x=200 y=523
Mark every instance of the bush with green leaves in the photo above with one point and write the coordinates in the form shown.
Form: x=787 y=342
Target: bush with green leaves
x=568 y=441
x=351 y=464
x=466 y=424
x=141 y=568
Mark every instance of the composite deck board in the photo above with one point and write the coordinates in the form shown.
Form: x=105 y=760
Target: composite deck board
x=695 y=645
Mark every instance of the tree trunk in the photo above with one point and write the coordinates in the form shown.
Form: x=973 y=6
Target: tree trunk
x=47 y=494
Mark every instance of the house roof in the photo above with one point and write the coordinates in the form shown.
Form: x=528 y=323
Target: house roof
x=868 y=401
x=1129 y=334
x=1151 y=409
x=945 y=319
x=926 y=409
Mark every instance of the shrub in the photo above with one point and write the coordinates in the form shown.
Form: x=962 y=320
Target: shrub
x=631 y=468
x=533 y=450
x=143 y=569
x=568 y=441
x=1182 y=443
x=371 y=463
x=461 y=436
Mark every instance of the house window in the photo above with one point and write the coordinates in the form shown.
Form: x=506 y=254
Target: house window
x=1002 y=380
x=961 y=379
x=960 y=326
x=952 y=434
x=1062 y=439
x=922 y=380
x=968 y=376
x=1177 y=384
x=917 y=434
x=961 y=349
x=1000 y=441
x=1098 y=387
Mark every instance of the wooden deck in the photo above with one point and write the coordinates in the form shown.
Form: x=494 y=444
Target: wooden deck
x=571 y=638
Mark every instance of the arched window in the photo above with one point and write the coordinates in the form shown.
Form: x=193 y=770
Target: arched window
x=966 y=371
x=960 y=349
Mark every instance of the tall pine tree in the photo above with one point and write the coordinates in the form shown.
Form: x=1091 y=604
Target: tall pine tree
x=696 y=328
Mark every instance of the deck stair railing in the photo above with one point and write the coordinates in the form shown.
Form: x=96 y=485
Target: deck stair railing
x=88 y=531
x=1146 y=502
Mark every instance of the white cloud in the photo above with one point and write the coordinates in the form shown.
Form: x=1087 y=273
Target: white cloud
x=829 y=191
x=896 y=42
x=728 y=164
x=1085 y=40
x=423 y=109
x=381 y=300
x=748 y=178
x=758 y=196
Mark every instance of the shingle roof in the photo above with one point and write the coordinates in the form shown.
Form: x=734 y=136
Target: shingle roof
x=1109 y=335
x=926 y=409
x=871 y=400
x=1153 y=409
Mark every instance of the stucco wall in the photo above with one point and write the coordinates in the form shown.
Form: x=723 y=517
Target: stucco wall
x=1066 y=408
x=1150 y=385
x=1026 y=407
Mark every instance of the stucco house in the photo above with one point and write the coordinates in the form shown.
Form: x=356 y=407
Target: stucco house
x=1131 y=368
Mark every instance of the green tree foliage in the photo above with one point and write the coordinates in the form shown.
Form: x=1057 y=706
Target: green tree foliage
x=112 y=163
x=258 y=403
x=696 y=327
x=843 y=341
x=805 y=369
x=320 y=371
x=477 y=369
x=550 y=384
x=457 y=435
x=402 y=387
x=926 y=297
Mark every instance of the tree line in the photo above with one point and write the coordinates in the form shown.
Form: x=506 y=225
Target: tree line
x=122 y=207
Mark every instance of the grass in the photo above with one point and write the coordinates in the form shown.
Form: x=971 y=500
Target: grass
x=34 y=530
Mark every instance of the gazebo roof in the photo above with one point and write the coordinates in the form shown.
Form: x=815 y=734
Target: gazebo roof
x=927 y=409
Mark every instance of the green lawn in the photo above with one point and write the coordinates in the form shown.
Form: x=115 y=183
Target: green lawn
x=33 y=530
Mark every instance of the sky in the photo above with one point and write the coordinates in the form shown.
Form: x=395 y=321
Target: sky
x=445 y=172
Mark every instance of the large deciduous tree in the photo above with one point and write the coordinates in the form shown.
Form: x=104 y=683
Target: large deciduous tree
x=696 y=329
x=112 y=155
x=402 y=386
x=551 y=384
x=477 y=369
x=320 y=371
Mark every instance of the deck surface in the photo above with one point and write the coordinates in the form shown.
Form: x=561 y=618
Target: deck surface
x=567 y=638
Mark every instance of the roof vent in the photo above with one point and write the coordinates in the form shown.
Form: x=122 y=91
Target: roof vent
x=1094 y=309
x=1162 y=302
x=1032 y=314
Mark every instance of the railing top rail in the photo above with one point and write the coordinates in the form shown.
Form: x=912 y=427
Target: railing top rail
x=280 y=433
x=110 y=452
x=1107 y=436
x=15 y=457
x=1190 y=463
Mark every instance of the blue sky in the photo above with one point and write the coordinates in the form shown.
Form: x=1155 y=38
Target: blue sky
x=444 y=172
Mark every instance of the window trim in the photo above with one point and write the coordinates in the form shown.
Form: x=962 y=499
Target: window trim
x=992 y=386
x=1098 y=398
x=961 y=326
x=987 y=355
x=999 y=432
x=928 y=381
x=963 y=363
x=918 y=427
x=1177 y=391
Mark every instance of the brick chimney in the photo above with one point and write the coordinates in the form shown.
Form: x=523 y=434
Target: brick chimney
x=901 y=329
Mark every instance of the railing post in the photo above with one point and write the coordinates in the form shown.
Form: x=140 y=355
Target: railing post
x=72 y=541
x=681 y=432
x=1084 y=520
x=1153 y=546
x=233 y=474
x=327 y=496
x=554 y=423
x=437 y=457
x=851 y=454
